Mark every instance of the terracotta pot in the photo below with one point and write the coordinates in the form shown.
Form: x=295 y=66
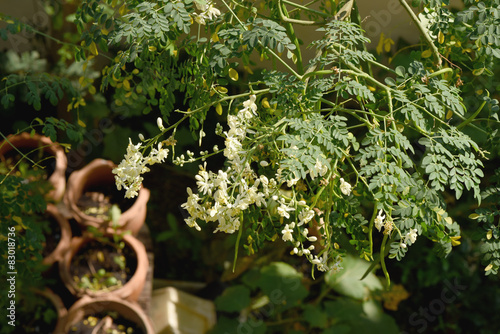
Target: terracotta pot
x=87 y=306
x=59 y=305
x=26 y=141
x=96 y=174
x=39 y=299
x=64 y=243
x=129 y=291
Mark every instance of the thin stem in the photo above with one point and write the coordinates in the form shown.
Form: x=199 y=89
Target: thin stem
x=357 y=174
x=234 y=15
x=427 y=37
x=370 y=230
x=365 y=76
x=292 y=35
x=238 y=238
x=325 y=15
x=382 y=260
x=284 y=63
x=357 y=17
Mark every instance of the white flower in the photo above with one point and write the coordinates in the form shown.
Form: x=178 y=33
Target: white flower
x=411 y=236
x=312 y=239
x=283 y=210
x=260 y=199
x=249 y=105
x=203 y=182
x=321 y=262
x=202 y=134
x=192 y=205
x=264 y=163
x=345 y=187
x=162 y=153
x=292 y=182
x=208 y=12
x=379 y=221
x=128 y=172
x=264 y=180
x=336 y=266
x=191 y=222
x=214 y=210
x=157 y=155
x=233 y=148
x=159 y=122
x=305 y=216
x=287 y=233
x=318 y=169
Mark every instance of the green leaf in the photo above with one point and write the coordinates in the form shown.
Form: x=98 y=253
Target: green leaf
x=251 y=278
x=337 y=329
x=7 y=99
x=347 y=282
x=366 y=317
x=400 y=70
x=282 y=283
x=233 y=299
x=478 y=71
x=225 y=325
x=473 y=216
x=315 y=316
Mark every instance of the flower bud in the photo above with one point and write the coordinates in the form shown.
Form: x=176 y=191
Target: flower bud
x=159 y=122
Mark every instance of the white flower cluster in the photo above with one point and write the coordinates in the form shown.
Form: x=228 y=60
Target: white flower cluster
x=208 y=12
x=129 y=172
x=302 y=234
x=218 y=203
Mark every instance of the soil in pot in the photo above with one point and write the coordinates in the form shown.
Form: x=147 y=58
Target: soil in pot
x=97 y=201
x=99 y=266
x=22 y=166
x=105 y=323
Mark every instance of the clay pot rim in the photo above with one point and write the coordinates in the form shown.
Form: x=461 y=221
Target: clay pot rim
x=55 y=299
x=24 y=140
x=75 y=190
x=58 y=304
x=130 y=290
x=78 y=311
x=58 y=253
